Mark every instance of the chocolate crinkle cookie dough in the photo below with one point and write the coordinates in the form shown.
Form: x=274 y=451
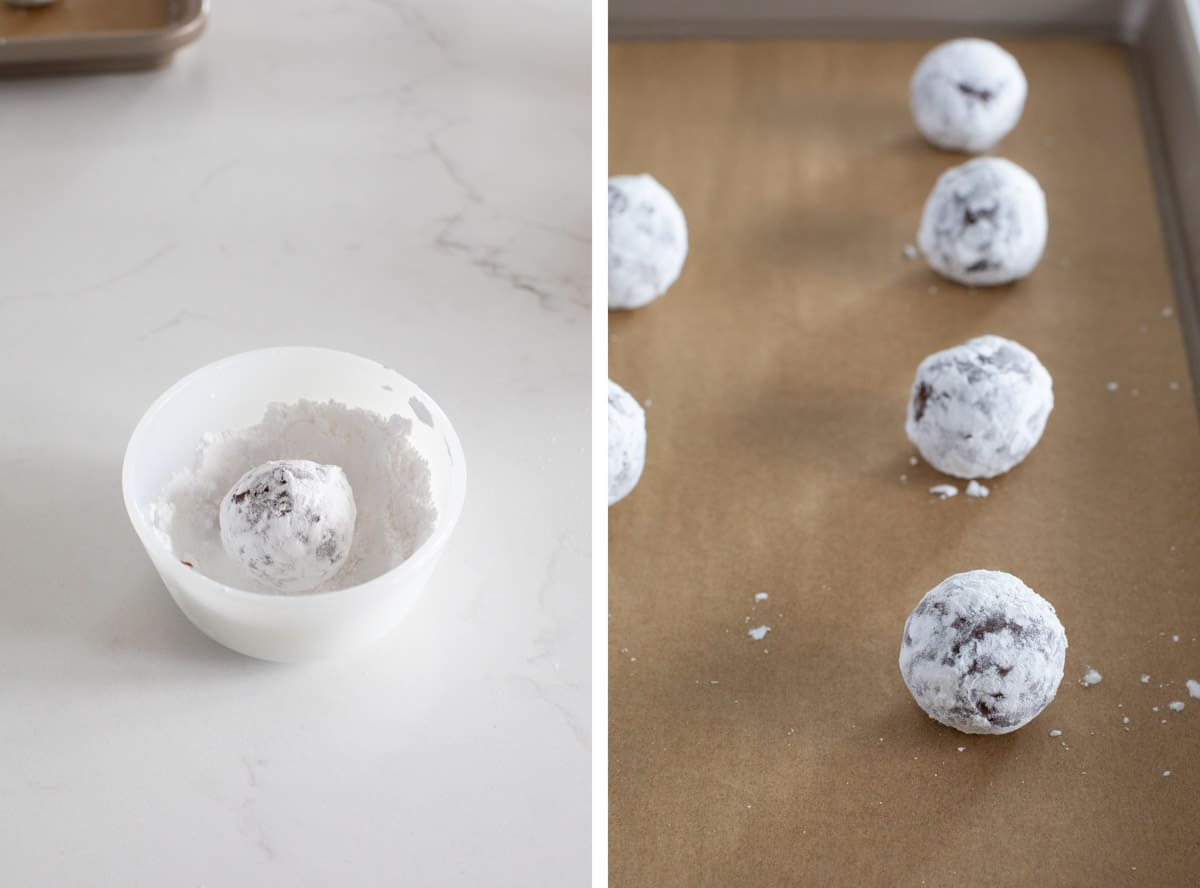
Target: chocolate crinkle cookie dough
x=967 y=95
x=983 y=653
x=243 y=513
x=647 y=241
x=290 y=523
x=984 y=223
x=626 y=442
x=978 y=409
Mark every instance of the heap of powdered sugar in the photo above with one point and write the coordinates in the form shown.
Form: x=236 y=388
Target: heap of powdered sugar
x=389 y=477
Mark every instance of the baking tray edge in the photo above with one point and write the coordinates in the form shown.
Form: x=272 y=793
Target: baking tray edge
x=1166 y=65
x=114 y=51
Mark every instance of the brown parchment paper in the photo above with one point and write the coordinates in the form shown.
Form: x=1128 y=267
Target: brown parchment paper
x=777 y=371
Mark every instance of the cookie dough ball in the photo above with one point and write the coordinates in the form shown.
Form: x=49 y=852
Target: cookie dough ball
x=647 y=241
x=984 y=223
x=967 y=95
x=979 y=408
x=290 y=523
x=626 y=442
x=983 y=652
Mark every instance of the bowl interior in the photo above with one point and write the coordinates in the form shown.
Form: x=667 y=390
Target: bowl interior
x=233 y=393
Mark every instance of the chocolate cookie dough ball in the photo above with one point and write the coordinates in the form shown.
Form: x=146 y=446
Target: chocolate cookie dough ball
x=967 y=95
x=647 y=241
x=290 y=523
x=983 y=653
x=979 y=408
x=984 y=223
x=626 y=442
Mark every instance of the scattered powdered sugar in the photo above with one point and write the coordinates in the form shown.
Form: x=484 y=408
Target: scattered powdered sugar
x=760 y=596
x=1125 y=719
x=974 y=488
x=1173 y=386
x=1112 y=386
x=913 y=461
x=1145 y=679
x=944 y=491
x=962 y=749
x=1091 y=677
x=1167 y=311
x=1193 y=687
x=1175 y=706
x=758 y=633
x=1056 y=733
x=1166 y=773
x=1174 y=638
x=910 y=252
x=389 y=477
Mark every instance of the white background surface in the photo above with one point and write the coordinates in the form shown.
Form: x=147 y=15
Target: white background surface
x=407 y=181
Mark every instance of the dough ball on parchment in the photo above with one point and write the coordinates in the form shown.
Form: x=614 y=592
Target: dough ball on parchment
x=647 y=241
x=978 y=409
x=626 y=442
x=983 y=653
x=984 y=223
x=967 y=95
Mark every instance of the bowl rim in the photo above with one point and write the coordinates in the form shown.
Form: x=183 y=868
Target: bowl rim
x=425 y=555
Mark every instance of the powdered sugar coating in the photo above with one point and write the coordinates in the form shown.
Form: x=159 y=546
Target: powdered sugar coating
x=978 y=409
x=967 y=95
x=983 y=653
x=289 y=523
x=647 y=241
x=390 y=478
x=984 y=223
x=626 y=442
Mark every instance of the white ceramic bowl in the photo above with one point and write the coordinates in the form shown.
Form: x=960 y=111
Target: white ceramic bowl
x=233 y=393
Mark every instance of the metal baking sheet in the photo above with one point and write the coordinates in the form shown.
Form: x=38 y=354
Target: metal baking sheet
x=777 y=371
x=81 y=36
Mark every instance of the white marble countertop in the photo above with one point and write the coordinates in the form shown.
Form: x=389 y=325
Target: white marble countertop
x=404 y=180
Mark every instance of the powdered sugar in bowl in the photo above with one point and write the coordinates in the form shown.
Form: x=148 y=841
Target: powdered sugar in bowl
x=308 y=403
